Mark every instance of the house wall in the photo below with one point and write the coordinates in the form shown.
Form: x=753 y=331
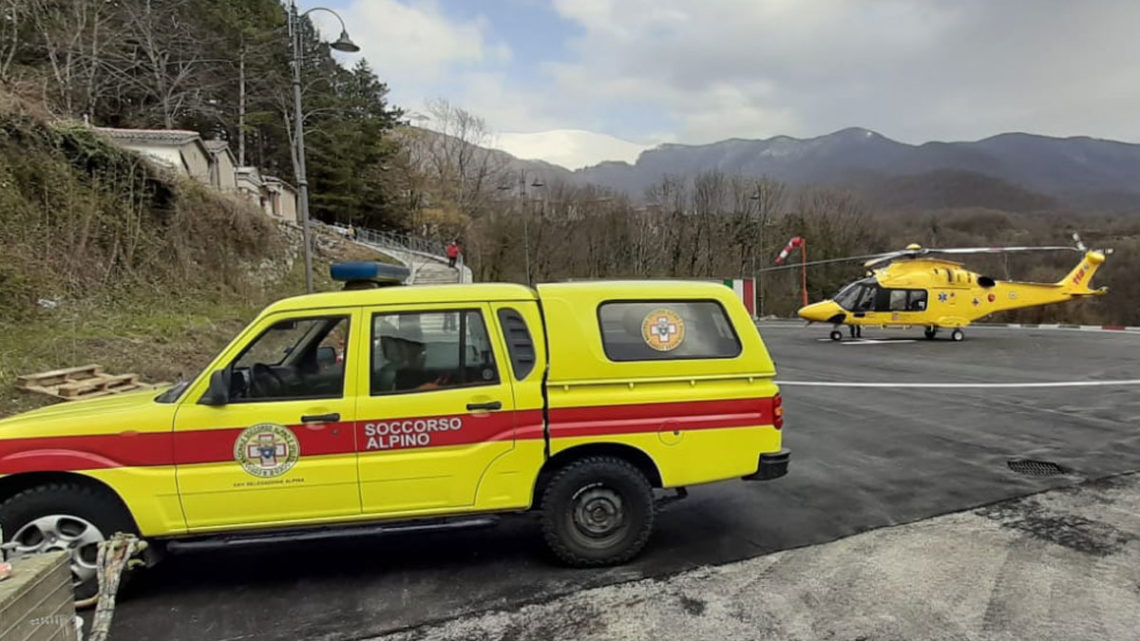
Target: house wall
x=224 y=172
x=289 y=205
x=197 y=161
x=253 y=191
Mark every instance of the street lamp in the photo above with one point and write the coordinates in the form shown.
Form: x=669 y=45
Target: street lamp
x=536 y=184
x=759 y=276
x=345 y=44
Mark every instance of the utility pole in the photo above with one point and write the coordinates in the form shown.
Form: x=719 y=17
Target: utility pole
x=341 y=44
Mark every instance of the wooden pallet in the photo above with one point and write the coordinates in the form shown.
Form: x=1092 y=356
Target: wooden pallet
x=74 y=383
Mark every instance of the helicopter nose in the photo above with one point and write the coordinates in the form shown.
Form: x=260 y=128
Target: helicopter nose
x=820 y=312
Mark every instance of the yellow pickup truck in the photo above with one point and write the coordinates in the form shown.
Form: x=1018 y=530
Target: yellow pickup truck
x=388 y=407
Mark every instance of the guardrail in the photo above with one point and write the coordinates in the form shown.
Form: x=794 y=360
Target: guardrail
x=395 y=240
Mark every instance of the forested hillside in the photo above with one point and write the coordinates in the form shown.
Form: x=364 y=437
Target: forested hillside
x=218 y=67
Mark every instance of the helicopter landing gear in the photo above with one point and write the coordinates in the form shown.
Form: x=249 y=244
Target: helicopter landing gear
x=931 y=332
x=957 y=335
x=836 y=335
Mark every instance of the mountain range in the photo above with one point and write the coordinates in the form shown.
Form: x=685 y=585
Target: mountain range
x=1019 y=171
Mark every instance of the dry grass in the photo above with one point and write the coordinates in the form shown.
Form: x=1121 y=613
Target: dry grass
x=145 y=273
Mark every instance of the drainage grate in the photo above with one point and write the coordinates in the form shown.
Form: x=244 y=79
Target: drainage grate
x=1030 y=467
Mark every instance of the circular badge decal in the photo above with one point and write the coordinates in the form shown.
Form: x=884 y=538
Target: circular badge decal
x=267 y=449
x=663 y=330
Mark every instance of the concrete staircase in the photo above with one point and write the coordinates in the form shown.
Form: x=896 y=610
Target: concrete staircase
x=426 y=259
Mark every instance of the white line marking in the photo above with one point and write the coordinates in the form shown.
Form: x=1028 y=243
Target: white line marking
x=1132 y=381
x=866 y=341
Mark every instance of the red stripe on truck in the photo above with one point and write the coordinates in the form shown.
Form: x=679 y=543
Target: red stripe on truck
x=653 y=417
x=143 y=449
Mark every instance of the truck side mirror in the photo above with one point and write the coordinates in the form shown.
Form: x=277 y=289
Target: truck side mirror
x=218 y=393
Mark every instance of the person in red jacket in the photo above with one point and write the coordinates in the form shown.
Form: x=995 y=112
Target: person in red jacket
x=452 y=253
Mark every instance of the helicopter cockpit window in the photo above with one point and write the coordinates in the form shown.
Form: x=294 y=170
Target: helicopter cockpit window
x=849 y=295
x=858 y=296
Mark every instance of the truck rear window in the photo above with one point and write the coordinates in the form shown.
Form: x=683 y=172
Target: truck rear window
x=657 y=330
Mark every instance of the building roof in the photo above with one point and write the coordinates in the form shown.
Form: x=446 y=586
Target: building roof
x=275 y=179
x=151 y=136
x=218 y=147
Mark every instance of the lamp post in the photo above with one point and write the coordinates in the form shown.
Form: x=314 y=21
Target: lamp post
x=345 y=44
x=537 y=184
x=759 y=276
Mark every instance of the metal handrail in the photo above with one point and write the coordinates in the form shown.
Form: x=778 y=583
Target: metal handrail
x=396 y=240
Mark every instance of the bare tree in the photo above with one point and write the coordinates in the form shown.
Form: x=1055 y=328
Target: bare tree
x=14 y=16
x=165 y=60
x=457 y=158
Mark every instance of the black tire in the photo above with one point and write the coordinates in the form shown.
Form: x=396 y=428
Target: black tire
x=836 y=335
x=957 y=335
x=581 y=504
x=98 y=508
x=930 y=333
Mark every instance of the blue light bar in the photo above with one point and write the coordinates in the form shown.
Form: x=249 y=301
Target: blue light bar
x=369 y=273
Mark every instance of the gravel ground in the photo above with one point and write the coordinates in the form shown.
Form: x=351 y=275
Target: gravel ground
x=1061 y=565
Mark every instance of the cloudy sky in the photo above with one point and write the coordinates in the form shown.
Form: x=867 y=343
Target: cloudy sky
x=696 y=71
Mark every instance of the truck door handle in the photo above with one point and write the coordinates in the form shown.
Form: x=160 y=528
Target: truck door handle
x=488 y=406
x=321 y=418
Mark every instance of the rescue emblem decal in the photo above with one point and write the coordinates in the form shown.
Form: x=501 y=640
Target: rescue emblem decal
x=266 y=450
x=663 y=330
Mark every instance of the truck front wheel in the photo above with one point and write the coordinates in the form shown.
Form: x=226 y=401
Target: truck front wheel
x=597 y=511
x=63 y=517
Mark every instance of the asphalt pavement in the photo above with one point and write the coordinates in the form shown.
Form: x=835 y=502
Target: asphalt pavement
x=863 y=458
x=1062 y=565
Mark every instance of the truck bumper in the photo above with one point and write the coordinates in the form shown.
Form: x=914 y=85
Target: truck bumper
x=771 y=466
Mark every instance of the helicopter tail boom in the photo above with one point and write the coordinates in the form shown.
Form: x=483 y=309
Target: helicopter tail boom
x=1076 y=282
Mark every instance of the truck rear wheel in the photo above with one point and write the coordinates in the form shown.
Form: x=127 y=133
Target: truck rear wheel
x=597 y=511
x=65 y=517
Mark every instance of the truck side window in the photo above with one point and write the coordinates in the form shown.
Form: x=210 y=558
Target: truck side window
x=655 y=330
x=293 y=359
x=422 y=351
x=520 y=346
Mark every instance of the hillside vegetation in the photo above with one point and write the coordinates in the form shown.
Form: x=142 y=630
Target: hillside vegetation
x=217 y=67
x=107 y=259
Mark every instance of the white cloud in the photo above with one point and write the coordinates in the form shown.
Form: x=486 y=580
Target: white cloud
x=916 y=69
x=695 y=72
x=570 y=148
x=415 y=46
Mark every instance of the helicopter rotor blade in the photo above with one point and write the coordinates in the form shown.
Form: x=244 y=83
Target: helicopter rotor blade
x=874 y=260
x=998 y=250
x=818 y=262
x=1077 y=240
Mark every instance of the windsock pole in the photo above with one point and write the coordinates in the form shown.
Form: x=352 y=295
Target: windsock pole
x=803 y=269
x=797 y=241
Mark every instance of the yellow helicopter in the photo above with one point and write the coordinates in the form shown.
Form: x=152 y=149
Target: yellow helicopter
x=911 y=288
